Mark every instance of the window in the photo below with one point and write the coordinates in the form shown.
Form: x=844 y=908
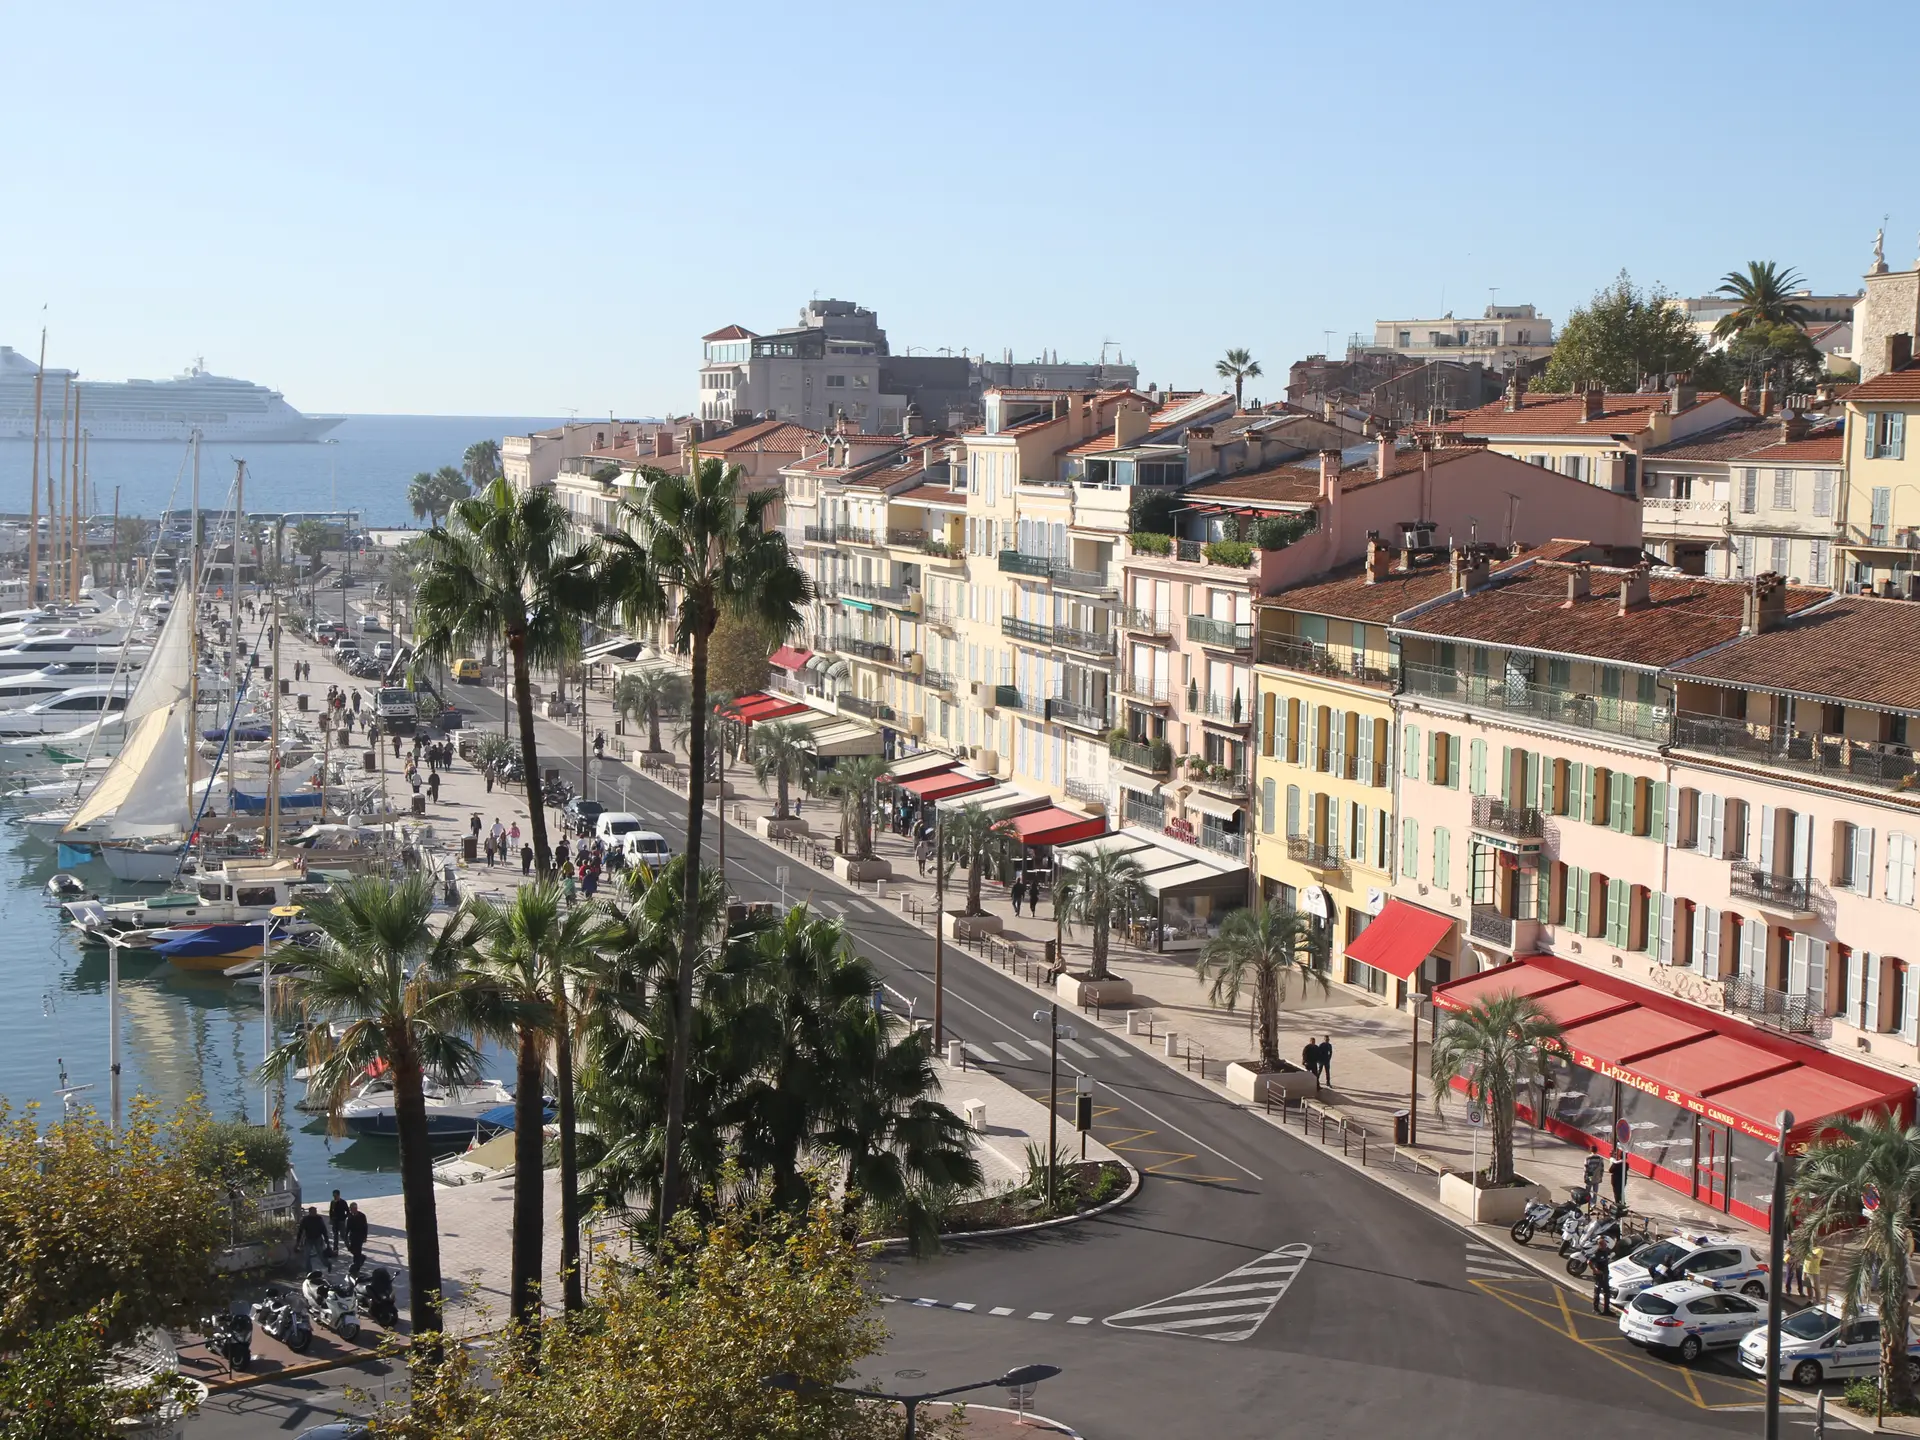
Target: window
x=1882 y=516
x=1899 y=878
x=1682 y=487
x=1442 y=856
x=1409 y=848
x=836 y=382
x=1743 y=556
x=1783 y=489
x=1749 y=491
x=1820 y=563
x=1443 y=759
x=1825 y=485
x=1410 y=767
x=1886 y=435
x=1781 y=554
x=1574 y=467
x=1545 y=462
x=1477 y=771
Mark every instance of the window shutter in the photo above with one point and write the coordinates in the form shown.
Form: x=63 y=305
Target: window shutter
x=1543 y=893
x=1436 y=739
x=1697 y=941
x=1620 y=802
x=1295 y=744
x=1268 y=790
x=1577 y=896
x=1664 y=950
x=1802 y=846
x=1817 y=975
x=1798 y=956
x=1293 y=811
x=1531 y=773
x=1753 y=950
x=1577 y=802
x=1337 y=742
x=1506 y=774
x=1359 y=828
x=1764 y=849
x=1716 y=925
x=1871 y=1021
x=1659 y=811
x=1281 y=730
x=1856 y=988
x=1735 y=841
x=1269 y=719
x=1909 y=1011
x=1617 y=912
x=1365 y=741
x=1549 y=788
x=1477 y=774
x=1862 y=876
x=1409 y=848
x=1453 y=762
x=1442 y=857
x=1410 y=750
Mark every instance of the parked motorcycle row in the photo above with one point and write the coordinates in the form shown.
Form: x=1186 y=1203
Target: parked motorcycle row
x=1579 y=1223
x=335 y=1304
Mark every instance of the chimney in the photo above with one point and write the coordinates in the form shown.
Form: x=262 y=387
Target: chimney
x=1329 y=473
x=1579 y=584
x=1466 y=571
x=1766 y=397
x=1327 y=410
x=1379 y=558
x=662 y=444
x=1636 y=590
x=914 y=422
x=1899 y=352
x=1516 y=392
x=1129 y=424
x=1593 y=403
x=1202 y=453
x=1746 y=394
x=1764 y=606
x=1682 y=395
x=1793 y=422
x=1383 y=456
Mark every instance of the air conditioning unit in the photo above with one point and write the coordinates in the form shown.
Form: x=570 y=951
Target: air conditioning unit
x=916 y=725
x=916 y=664
x=987 y=759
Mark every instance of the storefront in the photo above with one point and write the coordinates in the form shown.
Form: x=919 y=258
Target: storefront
x=1393 y=950
x=1692 y=1094
x=1039 y=831
x=1188 y=891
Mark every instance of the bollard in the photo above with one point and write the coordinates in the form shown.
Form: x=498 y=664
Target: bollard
x=1171 y=1052
x=976 y=1113
x=956 y=1055
x=1134 y=1017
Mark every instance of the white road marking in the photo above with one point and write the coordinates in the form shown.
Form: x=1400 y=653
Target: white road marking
x=1041 y=1315
x=963 y=1305
x=924 y=1301
x=1045 y=1053
x=1000 y=1310
x=1112 y=1047
x=982 y=1056
x=1014 y=1050
x=1081 y=1320
x=1261 y=1283
x=1077 y=1047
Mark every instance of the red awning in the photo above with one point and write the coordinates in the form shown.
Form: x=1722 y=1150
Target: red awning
x=1703 y=1060
x=761 y=706
x=789 y=658
x=948 y=782
x=1054 y=826
x=1400 y=938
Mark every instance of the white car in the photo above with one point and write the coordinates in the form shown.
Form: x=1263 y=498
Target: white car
x=1719 y=1260
x=1821 y=1344
x=369 y=621
x=1689 y=1318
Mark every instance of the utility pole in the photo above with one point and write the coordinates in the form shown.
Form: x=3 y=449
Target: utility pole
x=1776 y=1256
x=1054 y=1033
x=939 y=930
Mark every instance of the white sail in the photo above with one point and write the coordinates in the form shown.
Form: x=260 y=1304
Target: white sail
x=141 y=789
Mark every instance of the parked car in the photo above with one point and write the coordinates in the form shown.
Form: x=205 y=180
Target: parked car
x=1720 y=1260
x=383 y=650
x=612 y=824
x=645 y=847
x=1688 y=1318
x=582 y=815
x=369 y=621
x=1821 y=1344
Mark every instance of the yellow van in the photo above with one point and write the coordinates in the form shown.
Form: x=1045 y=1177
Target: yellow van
x=466 y=669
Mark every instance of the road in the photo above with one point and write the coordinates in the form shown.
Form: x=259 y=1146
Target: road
x=1368 y=1314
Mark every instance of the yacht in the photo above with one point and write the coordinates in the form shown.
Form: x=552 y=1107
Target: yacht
x=453 y=1111
x=240 y=890
x=49 y=681
x=65 y=711
x=76 y=642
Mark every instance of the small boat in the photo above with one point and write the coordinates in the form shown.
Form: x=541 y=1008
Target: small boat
x=246 y=734
x=453 y=1111
x=221 y=947
x=65 y=887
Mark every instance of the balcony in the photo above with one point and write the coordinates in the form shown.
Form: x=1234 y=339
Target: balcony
x=1629 y=719
x=1227 y=709
x=1521 y=822
x=1222 y=841
x=1489 y=926
x=1145 y=689
x=940 y=618
x=1775 y=1009
x=865 y=649
x=1008 y=697
x=869 y=709
x=1289 y=652
x=1018 y=562
x=1043 y=567
x=1026 y=631
x=1138 y=810
x=1702 y=518
x=940 y=680
x=1218 y=780
x=1079 y=716
x=837 y=534
x=1153 y=757
x=1220 y=634
x=932 y=545
x=907 y=539
x=1775 y=892
x=1882 y=766
x=898 y=596
x=1150 y=622
x=1314 y=855
x=1087 y=642
x=1090 y=792
x=1068 y=578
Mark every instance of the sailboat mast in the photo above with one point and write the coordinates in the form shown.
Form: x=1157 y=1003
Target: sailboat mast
x=239 y=643
x=86 y=501
x=56 y=482
x=193 y=631
x=113 y=565
x=73 y=510
x=33 y=526
x=273 y=742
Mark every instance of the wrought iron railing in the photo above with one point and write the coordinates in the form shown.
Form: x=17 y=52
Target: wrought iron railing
x=1018 y=562
x=1088 y=642
x=1884 y=766
x=1231 y=708
x=1520 y=821
x=861 y=705
x=1030 y=631
x=1140 y=811
x=1780 y=891
x=1314 y=854
x=866 y=649
x=1221 y=634
x=939 y=680
x=1776 y=1009
x=1222 y=841
x=1235 y=783
x=1094 y=792
x=1154 y=759
x=1487 y=923
x=1142 y=687
x=1630 y=719
x=1150 y=622
x=1289 y=652
x=1083 y=717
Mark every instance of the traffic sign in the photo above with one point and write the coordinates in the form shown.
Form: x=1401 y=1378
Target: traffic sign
x=1622 y=1132
x=1475 y=1115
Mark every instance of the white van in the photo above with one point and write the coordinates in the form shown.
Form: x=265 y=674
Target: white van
x=644 y=847
x=1821 y=1344
x=615 y=823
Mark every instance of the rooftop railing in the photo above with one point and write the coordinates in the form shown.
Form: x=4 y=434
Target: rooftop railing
x=1629 y=719
x=1220 y=634
x=1290 y=652
x=1884 y=766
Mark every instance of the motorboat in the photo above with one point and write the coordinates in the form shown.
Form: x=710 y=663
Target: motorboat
x=219 y=948
x=63 y=712
x=75 y=642
x=104 y=736
x=238 y=891
x=453 y=1111
x=48 y=681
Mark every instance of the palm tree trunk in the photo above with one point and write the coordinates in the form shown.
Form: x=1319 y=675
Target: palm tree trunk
x=530 y=758
x=1894 y=1363
x=690 y=930
x=523 y=1297
x=1098 y=971
x=1502 y=1108
x=1269 y=1003
x=416 y=1195
x=574 y=1294
x=973 y=882
x=780 y=786
x=653 y=724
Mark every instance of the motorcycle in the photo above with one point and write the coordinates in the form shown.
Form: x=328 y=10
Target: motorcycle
x=373 y=1294
x=230 y=1336
x=331 y=1305
x=276 y=1316
x=1626 y=1233
x=1544 y=1215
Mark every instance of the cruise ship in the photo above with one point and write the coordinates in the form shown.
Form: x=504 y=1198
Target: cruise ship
x=221 y=409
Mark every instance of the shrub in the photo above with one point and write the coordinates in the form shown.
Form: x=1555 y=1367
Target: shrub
x=1229 y=552
x=1161 y=754
x=1112 y=1181
x=1277 y=532
x=239 y=1155
x=1145 y=543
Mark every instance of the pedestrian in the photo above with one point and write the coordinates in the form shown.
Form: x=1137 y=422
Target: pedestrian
x=490 y=852
x=560 y=852
x=600 y=744
x=313 y=1239
x=356 y=700
x=1602 y=1266
x=1310 y=1056
x=513 y=831
x=473 y=823
x=373 y=733
x=499 y=833
x=488 y=771
x=1815 y=1290
x=1592 y=1170
x=1617 y=1171
x=396 y=744
x=336 y=1225
x=526 y=859
x=1326 y=1060
x=1019 y=893
x=590 y=880
x=566 y=879
x=356 y=1230
x=433 y=787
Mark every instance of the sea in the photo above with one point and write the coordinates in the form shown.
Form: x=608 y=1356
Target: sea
x=183 y=1035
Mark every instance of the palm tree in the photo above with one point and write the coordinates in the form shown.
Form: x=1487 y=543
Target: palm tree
x=423 y=498
x=406 y=1003
x=1497 y=1046
x=648 y=694
x=1259 y=949
x=1101 y=888
x=1828 y=1198
x=527 y=955
x=967 y=834
x=504 y=567
x=855 y=781
x=1239 y=366
x=696 y=546
x=481 y=464
x=1765 y=296
x=784 y=754
x=310 y=538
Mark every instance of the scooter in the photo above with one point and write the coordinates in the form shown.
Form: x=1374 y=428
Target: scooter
x=231 y=1338
x=1543 y=1215
x=276 y=1316
x=331 y=1305
x=373 y=1294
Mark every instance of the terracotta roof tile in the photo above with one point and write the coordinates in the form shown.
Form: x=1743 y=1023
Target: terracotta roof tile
x=1823 y=447
x=1721 y=444
x=1858 y=649
x=779 y=436
x=1294 y=483
x=732 y=332
x=1560 y=415
x=1683 y=617
x=1893 y=385
x=932 y=495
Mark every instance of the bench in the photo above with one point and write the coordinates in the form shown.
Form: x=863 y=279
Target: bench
x=1420 y=1159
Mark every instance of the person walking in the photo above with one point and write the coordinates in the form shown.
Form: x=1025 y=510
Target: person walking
x=560 y=853
x=313 y=1239
x=356 y=1231
x=1602 y=1266
x=1019 y=893
x=473 y=823
x=1310 y=1057
x=396 y=744
x=566 y=877
x=491 y=851
x=1326 y=1060
x=526 y=859
x=1617 y=1172
x=1592 y=1170
x=488 y=772
x=433 y=787
x=590 y=880
x=336 y=1224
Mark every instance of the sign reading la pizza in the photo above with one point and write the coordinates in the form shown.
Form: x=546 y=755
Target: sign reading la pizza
x=1610 y=1071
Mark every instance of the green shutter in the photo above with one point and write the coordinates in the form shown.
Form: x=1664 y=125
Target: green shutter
x=1616 y=912
x=1268 y=796
x=1435 y=739
x=1442 y=856
x=1657 y=811
x=1409 y=848
x=1577 y=898
x=1532 y=762
x=1506 y=774
x=1280 y=728
x=1549 y=796
x=1453 y=762
x=1580 y=804
x=1477 y=776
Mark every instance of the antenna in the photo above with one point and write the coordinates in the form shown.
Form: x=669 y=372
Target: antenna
x=1327 y=341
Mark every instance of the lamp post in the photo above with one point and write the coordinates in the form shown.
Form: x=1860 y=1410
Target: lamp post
x=939 y=931
x=1055 y=1031
x=1020 y=1375
x=1776 y=1261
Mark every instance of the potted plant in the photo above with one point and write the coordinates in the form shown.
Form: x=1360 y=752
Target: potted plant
x=1102 y=889
x=1259 y=951
x=1493 y=1050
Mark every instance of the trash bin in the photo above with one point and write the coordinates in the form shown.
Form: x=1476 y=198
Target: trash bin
x=286 y=686
x=367 y=761
x=470 y=848
x=1402 y=1127
x=301 y=702
x=420 y=807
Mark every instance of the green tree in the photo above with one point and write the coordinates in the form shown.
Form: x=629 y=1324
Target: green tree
x=311 y=539
x=1239 y=366
x=1101 y=889
x=1260 y=949
x=1623 y=335
x=121 y=1228
x=481 y=464
x=55 y=1387
x=969 y=835
x=1827 y=1199
x=696 y=547
x=741 y=657
x=782 y=753
x=1765 y=296
x=505 y=565
x=424 y=499
x=1497 y=1047
x=856 y=781
x=649 y=694
x=405 y=1001
x=1782 y=356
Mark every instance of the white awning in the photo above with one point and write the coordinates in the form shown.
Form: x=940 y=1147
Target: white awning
x=843 y=737
x=620 y=649
x=1001 y=801
x=929 y=762
x=1208 y=805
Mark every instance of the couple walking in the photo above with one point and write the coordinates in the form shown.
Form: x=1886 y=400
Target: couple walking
x=1316 y=1058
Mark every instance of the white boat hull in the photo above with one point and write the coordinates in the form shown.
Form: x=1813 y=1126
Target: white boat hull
x=143 y=864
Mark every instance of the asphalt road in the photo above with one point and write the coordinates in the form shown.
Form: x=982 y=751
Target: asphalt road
x=1383 y=1318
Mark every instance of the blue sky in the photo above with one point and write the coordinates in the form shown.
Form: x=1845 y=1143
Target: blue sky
x=521 y=209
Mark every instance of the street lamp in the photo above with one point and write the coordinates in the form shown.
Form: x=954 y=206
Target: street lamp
x=1055 y=1033
x=1776 y=1259
x=1020 y=1375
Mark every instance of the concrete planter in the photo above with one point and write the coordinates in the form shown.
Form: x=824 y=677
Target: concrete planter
x=854 y=872
x=1249 y=1082
x=1078 y=990
x=956 y=926
x=772 y=829
x=1488 y=1207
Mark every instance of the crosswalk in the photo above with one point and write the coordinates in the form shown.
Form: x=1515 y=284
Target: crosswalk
x=1486 y=1263
x=1039 y=1050
x=1227 y=1309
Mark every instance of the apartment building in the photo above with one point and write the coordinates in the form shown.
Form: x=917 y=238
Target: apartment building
x=1881 y=533
x=1502 y=337
x=536 y=458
